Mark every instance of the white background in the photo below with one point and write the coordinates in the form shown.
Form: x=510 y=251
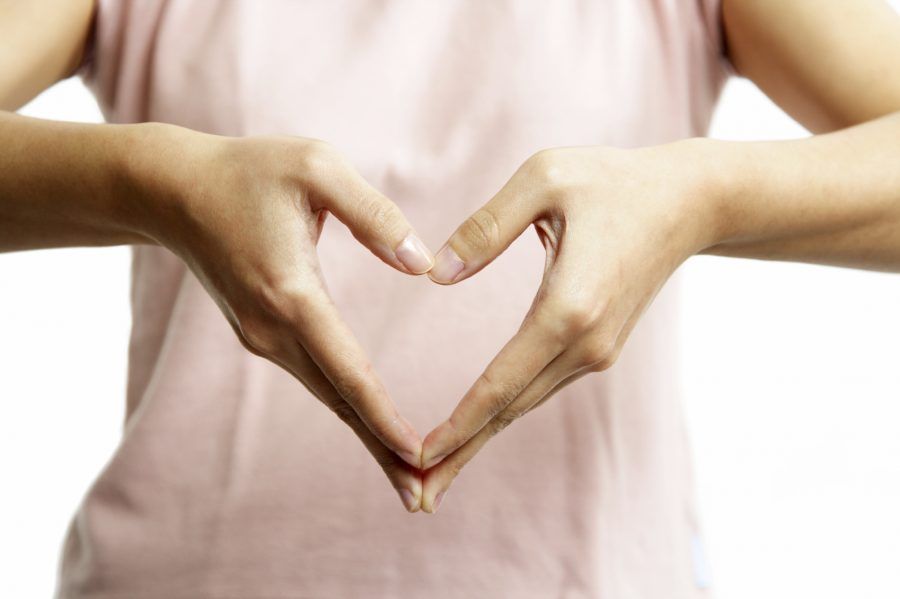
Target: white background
x=792 y=381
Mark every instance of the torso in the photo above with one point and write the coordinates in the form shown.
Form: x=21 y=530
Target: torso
x=231 y=481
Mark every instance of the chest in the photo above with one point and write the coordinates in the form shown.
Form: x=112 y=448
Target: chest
x=429 y=74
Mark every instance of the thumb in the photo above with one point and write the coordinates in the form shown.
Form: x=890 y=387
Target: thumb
x=380 y=225
x=485 y=235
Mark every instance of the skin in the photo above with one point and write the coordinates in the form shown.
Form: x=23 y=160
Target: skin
x=245 y=215
x=830 y=199
x=615 y=223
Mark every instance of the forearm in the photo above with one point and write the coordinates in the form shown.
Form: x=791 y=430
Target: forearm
x=67 y=184
x=830 y=199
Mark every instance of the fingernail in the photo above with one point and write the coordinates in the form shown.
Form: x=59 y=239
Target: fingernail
x=414 y=255
x=409 y=500
x=447 y=266
x=433 y=461
x=437 y=502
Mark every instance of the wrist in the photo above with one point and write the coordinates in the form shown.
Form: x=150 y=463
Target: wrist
x=157 y=167
x=715 y=177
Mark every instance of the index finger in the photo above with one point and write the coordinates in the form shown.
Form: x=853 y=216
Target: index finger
x=334 y=349
x=522 y=359
x=403 y=477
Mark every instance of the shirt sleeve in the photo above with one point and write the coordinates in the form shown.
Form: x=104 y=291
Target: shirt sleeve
x=85 y=69
x=711 y=11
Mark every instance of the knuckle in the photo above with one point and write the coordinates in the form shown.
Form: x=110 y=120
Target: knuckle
x=542 y=161
x=600 y=353
x=547 y=170
x=316 y=156
x=576 y=317
x=571 y=316
x=503 y=420
x=259 y=339
x=345 y=413
x=387 y=461
x=351 y=384
x=247 y=346
x=385 y=219
x=282 y=298
x=481 y=230
x=288 y=304
x=556 y=175
x=497 y=393
x=348 y=388
x=454 y=467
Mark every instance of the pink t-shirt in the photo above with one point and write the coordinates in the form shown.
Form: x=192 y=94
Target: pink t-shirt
x=231 y=481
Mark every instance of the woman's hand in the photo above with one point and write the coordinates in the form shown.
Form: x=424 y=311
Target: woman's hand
x=615 y=225
x=245 y=214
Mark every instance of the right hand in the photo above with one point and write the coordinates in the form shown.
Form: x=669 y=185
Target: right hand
x=245 y=214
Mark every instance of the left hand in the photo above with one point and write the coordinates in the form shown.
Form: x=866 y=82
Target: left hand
x=615 y=225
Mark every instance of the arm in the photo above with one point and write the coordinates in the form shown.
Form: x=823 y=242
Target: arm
x=59 y=184
x=617 y=223
x=245 y=214
x=831 y=199
x=830 y=64
x=43 y=42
